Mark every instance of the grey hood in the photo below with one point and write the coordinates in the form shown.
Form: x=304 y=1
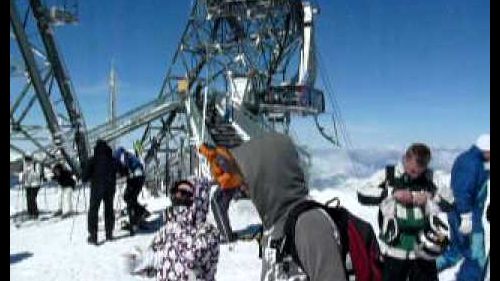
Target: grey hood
x=271 y=169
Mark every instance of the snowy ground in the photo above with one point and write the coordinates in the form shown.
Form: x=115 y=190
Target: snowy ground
x=43 y=250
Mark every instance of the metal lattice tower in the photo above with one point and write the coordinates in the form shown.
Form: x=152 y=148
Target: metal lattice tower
x=44 y=78
x=241 y=68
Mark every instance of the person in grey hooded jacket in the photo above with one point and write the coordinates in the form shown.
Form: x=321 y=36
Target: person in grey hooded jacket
x=269 y=170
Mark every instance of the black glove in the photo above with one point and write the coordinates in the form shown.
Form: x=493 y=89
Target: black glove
x=488 y=213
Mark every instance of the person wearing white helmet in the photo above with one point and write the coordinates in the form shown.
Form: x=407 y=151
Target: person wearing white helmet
x=469 y=180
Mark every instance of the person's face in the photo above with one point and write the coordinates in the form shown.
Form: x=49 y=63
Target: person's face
x=412 y=168
x=244 y=188
x=486 y=155
x=183 y=192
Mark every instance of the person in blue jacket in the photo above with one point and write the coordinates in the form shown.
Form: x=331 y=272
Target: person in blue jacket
x=469 y=180
x=131 y=167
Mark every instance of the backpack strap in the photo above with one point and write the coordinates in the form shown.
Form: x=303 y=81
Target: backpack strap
x=289 y=227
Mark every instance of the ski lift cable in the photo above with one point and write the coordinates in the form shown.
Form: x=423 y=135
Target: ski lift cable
x=334 y=103
x=336 y=116
x=335 y=106
x=326 y=84
x=334 y=140
x=335 y=129
x=336 y=113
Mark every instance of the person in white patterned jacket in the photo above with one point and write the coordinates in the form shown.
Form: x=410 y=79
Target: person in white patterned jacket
x=187 y=247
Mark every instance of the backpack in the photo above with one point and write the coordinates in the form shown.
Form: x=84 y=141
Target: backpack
x=360 y=250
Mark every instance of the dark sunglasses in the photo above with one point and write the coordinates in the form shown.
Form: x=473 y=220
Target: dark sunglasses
x=183 y=193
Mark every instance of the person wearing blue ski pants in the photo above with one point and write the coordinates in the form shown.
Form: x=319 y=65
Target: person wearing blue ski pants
x=469 y=179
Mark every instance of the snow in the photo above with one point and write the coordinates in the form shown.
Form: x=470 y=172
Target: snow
x=46 y=250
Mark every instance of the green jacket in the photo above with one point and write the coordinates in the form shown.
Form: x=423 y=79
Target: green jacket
x=410 y=219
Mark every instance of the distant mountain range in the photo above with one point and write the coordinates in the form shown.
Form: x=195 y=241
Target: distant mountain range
x=333 y=166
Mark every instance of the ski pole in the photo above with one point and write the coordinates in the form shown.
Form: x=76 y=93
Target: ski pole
x=72 y=227
x=18 y=213
x=118 y=202
x=85 y=198
x=74 y=217
x=120 y=198
x=24 y=213
x=45 y=197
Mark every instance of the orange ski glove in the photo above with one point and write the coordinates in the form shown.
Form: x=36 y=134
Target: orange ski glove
x=222 y=166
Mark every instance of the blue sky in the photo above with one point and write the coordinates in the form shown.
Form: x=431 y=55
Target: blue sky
x=402 y=70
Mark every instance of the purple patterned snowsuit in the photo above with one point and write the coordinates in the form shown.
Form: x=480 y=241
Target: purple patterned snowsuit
x=187 y=247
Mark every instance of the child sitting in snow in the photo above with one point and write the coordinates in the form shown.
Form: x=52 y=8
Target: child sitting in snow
x=187 y=247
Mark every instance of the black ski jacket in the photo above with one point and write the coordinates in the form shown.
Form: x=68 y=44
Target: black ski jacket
x=101 y=169
x=65 y=177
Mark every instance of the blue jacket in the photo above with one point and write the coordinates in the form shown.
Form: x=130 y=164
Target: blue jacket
x=468 y=179
x=128 y=162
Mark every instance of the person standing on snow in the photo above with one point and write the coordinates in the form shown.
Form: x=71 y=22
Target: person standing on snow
x=187 y=247
x=469 y=180
x=131 y=167
x=267 y=170
x=412 y=234
x=64 y=178
x=101 y=171
x=31 y=180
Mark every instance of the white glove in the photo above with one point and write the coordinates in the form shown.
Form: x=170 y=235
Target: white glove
x=388 y=207
x=132 y=260
x=145 y=262
x=432 y=208
x=466 y=223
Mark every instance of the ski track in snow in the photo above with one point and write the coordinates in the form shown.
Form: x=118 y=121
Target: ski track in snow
x=42 y=250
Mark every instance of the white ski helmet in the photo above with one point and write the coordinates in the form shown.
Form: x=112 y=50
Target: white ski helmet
x=483 y=142
x=433 y=240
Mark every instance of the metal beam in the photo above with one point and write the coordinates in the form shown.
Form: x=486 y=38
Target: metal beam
x=132 y=122
x=31 y=66
x=31 y=102
x=62 y=78
x=17 y=102
x=36 y=143
x=129 y=121
x=17 y=149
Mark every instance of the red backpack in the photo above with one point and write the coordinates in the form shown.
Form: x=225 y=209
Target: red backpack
x=360 y=250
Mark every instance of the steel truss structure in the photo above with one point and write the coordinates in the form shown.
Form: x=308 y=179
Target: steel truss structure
x=241 y=68
x=32 y=29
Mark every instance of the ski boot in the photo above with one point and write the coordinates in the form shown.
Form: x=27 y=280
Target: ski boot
x=92 y=240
